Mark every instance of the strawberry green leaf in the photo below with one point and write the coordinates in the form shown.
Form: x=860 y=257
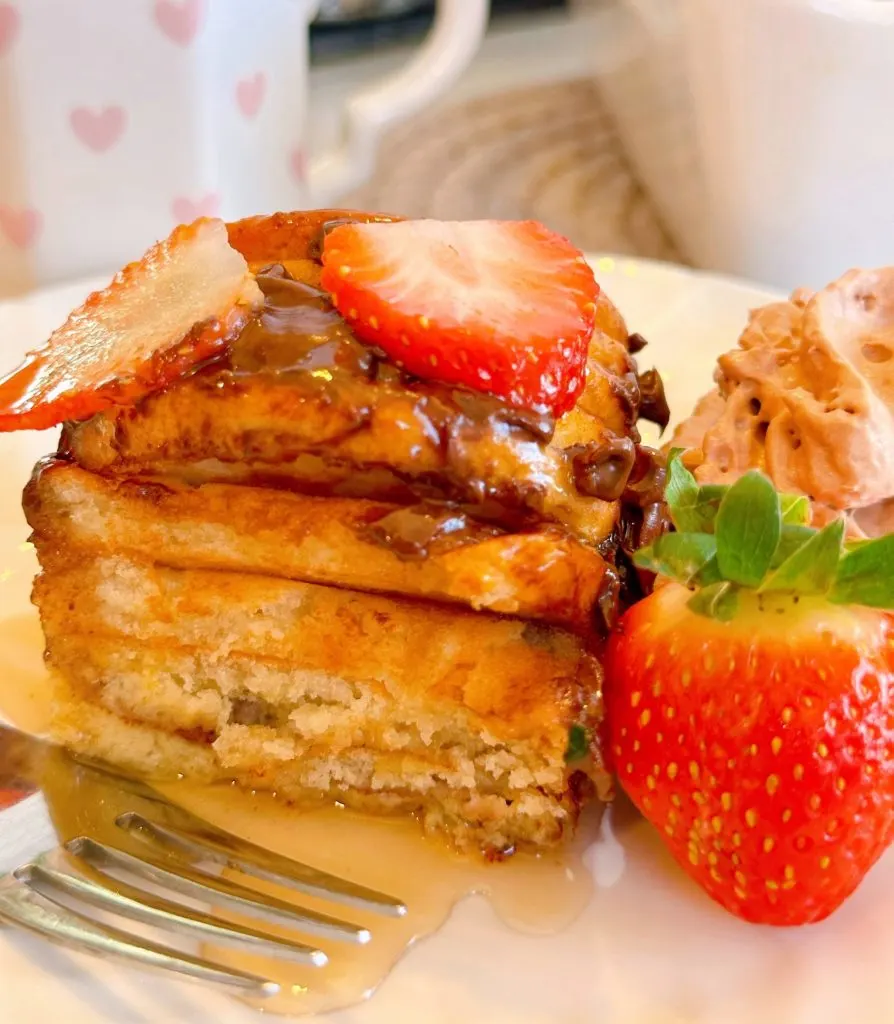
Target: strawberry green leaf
x=795 y=509
x=578 y=743
x=712 y=494
x=681 y=493
x=681 y=556
x=791 y=538
x=856 y=542
x=718 y=601
x=810 y=568
x=708 y=574
x=692 y=508
x=747 y=528
x=707 y=502
x=866 y=575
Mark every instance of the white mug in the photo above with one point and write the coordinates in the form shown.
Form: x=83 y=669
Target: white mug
x=762 y=129
x=119 y=118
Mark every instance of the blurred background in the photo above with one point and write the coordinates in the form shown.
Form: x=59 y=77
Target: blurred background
x=525 y=133
x=744 y=136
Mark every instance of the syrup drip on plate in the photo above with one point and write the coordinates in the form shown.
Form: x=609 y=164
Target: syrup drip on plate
x=539 y=895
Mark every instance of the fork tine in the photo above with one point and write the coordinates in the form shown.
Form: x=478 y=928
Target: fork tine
x=239 y=853
x=127 y=901
x=222 y=847
x=65 y=927
x=193 y=882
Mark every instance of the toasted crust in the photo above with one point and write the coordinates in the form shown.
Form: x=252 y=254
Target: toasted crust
x=541 y=575
x=262 y=430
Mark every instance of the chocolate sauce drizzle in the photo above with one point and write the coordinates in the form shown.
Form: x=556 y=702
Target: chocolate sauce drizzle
x=299 y=334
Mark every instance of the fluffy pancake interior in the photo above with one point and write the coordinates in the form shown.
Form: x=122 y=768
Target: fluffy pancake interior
x=321 y=693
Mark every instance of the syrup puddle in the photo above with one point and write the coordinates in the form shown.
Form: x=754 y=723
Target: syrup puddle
x=537 y=895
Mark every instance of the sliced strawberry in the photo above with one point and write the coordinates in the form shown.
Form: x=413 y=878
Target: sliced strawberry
x=177 y=306
x=504 y=307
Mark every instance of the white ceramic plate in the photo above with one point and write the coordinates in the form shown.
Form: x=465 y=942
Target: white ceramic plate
x=649 y=949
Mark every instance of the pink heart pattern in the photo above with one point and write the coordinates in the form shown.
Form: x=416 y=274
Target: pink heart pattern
x=186 y=210
x=179 y=20
x=9 y=27
x=250 y=93
x=298 y=165
x=21 y=225
x=99 y=130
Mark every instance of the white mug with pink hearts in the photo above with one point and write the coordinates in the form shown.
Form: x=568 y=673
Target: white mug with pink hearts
x=119 y=118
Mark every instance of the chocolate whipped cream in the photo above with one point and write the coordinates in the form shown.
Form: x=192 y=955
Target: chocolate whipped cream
x=808 y=397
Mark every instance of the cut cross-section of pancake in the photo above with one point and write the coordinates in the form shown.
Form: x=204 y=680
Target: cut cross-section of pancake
x=317 y=692
x=425 y=551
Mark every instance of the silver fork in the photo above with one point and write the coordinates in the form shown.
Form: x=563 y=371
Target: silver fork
x=140 y=863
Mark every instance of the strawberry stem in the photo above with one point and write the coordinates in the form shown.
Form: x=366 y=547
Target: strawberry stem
x=749 y=537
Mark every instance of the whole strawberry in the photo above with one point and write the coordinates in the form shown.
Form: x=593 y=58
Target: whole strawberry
x=749 y=703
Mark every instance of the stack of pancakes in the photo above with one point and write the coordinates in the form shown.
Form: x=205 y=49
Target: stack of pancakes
x=304 y=570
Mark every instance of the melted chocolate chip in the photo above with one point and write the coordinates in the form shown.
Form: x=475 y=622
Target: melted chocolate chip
x=417 y=532
x=629 y=522
x=609 y=544
x=635 y=584
x=636 y=343
x=275 y=281
x=601 y=469
x=315 y=249
x=152 y=491
x=607 y=609
x=645 y=484
x=252 y=710
x=653 y=402
x=275 y=270
x=281 y=288
x=655 y=522
x=625 y=388
x=643 y=517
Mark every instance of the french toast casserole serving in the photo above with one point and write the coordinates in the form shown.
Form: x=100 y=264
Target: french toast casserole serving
x=340 y=510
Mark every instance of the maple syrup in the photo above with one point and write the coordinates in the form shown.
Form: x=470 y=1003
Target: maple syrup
x=536 y=894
